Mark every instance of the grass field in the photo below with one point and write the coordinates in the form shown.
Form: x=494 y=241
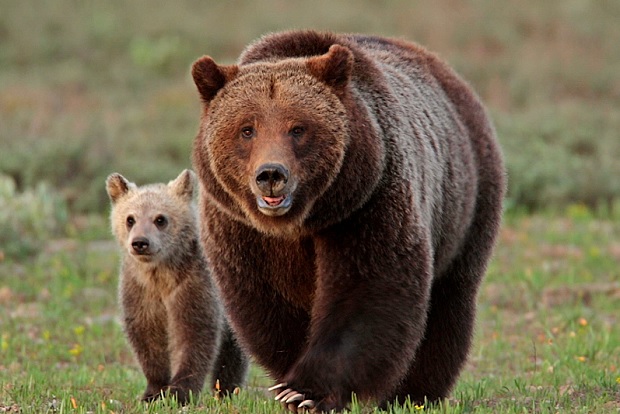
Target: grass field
x=547 y=338
x=92 y=87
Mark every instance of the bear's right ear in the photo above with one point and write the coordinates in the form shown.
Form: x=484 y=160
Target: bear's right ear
x=117 y=186
x=184 y=185
x=209 y=77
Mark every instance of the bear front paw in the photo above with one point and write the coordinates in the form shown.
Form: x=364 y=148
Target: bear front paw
x=291 y=399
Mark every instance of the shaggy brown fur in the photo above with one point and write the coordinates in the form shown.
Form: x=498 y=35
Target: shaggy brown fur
x=171 y=312
x=352 y=193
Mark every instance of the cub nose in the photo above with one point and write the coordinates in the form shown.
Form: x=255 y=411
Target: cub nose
x=271 y=178
x=140 y=245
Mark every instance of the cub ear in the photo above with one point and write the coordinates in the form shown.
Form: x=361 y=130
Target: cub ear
x=184 y=185
x=117 y=186
x=333 y=68
x=209 y=77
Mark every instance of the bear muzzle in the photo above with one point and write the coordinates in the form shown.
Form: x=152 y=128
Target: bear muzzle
x=142 y=249
x=273 y=189
x=140 y=245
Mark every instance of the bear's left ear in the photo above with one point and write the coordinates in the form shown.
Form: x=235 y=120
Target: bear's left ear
x=117 y=186
x=333 y=68
x=184 y=185
x=209 y=77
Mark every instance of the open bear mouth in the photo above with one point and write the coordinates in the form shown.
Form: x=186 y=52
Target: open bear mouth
x=274 y=204
x=274 y=201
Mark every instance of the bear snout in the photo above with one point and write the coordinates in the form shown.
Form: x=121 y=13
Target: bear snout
x=271 y=178
x=140 y=245
x=273 y=186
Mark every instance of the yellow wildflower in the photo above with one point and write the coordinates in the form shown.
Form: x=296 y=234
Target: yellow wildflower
x=76 y=350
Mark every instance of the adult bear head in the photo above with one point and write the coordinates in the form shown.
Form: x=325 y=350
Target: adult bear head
x=273 y=138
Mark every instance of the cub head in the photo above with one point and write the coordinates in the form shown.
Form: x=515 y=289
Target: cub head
x=273 y=135
x=156 y=222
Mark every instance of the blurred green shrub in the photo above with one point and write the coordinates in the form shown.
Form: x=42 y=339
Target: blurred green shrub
x=160 y=55
x=561 y=156
x=88 y=88
x=30 y=218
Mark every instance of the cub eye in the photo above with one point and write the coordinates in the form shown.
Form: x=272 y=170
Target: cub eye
x=161 y=221
x=130 y=222
x=247 y=132
x=297 y=131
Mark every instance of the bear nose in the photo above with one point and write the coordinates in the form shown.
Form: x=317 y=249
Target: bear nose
x=140 y=245
x=271 y=178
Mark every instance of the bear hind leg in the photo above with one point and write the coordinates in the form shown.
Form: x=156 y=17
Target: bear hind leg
x=451 y=319
x=231 y=365
x=445 y=347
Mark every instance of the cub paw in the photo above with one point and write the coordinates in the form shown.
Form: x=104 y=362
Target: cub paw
x=180 y=394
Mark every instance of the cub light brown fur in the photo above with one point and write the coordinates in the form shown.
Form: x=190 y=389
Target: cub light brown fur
x=352 y=196
x=171 y=312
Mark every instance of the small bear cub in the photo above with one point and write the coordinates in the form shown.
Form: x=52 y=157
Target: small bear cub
x=171 y=310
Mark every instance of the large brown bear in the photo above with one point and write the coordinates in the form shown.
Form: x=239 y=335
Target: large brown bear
x=351 y=195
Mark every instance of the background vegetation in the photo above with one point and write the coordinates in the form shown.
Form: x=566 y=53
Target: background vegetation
x=91 y=87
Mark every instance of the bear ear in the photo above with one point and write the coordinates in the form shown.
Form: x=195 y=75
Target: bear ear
x=117 y=186
x=333 y=68
x=184 y=185
x=209 y=77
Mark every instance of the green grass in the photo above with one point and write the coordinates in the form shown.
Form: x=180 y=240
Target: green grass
x=547 y=338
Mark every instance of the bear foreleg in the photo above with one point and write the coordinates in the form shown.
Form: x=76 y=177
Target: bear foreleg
x=144 y=320
x=365 y=328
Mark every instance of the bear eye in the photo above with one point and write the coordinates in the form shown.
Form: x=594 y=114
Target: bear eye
x=161 y=221
x=130 y=222
x=297 y=131
x=247 y=132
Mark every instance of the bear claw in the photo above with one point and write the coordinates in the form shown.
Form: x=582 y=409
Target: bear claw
x=285 y=398
x=295 y=397
x=306 y=404
x=283 y=394
x=275 y=387
x=289 y=398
